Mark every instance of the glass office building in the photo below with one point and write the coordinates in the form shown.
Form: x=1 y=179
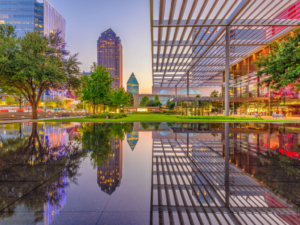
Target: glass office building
x=133 y=85
x=30 y=15
x=110 y=56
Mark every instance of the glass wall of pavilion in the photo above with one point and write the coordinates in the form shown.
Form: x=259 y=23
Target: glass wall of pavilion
x=202 y=108
x=247 y=97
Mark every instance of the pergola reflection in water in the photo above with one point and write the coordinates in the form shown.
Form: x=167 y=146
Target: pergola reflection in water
x=193 y=182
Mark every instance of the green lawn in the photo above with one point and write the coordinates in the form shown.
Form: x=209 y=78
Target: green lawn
x=170 y=118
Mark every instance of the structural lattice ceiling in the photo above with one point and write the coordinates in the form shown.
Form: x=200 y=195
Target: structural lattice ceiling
x=188 y=36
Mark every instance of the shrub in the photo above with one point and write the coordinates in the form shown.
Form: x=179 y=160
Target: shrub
x=170 y=112
x=140 y=112
x=106 y=114
x=123 y=114
x=97 y=116
x=157 y=112
x=116 y=116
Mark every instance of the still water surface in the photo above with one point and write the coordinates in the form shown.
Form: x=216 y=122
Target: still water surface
x=149 y=173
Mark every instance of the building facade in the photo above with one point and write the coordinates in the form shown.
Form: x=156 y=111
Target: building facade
x=30 y=15
x=110 y=56
x=132 y=85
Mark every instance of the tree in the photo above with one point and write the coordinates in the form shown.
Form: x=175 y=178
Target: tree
x=35 y=63
x=10 y=100
x=119 y=97
x=170 y=105
x=214 y=94
x=144 y=100
x=159 y=104
x=152 y=103
x=96 y=87
x=198 y=96
x=131 y=100
x=65 y=104
x=15 y=93
x=79 y=106
x=282 y=63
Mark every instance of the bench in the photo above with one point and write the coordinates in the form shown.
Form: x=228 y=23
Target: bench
x=278 y=116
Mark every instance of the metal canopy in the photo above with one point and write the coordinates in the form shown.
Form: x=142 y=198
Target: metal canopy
x=188 y=36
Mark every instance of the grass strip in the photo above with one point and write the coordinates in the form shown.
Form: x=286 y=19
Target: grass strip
x=171 y=118
x=218 y=118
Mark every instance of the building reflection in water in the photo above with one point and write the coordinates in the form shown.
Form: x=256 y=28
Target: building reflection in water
x=199 y=178
x=24 y=145
x=109 y=175
x=132 y=139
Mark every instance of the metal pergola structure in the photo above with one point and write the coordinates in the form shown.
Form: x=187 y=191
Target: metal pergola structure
x=195 y=41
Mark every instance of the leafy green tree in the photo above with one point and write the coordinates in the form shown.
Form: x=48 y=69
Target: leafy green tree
x=214 y=94
x=282 y=63
x=119 y=97
x=152 y=103
x=170 y=105
x=198 y=96
x=79 y=106
x=159 y=104
x=35 y=63
x=131 y=100
x=144 y=100
x=15 y=93
x=96 y=88
x=10 y=100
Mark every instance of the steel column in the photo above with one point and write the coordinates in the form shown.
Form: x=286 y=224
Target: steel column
x=188 y=84
x=176 y=95
x=195 y=108
x=227 y=191
x=227 y=70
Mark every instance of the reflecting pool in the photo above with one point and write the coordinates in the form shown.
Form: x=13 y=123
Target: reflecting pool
x=149 y=173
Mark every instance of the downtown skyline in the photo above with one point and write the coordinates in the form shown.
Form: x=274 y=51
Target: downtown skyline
x=129 y=20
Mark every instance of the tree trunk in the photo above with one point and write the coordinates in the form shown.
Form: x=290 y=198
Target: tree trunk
x=20 y=103
x=33 y=109
x=94 y=106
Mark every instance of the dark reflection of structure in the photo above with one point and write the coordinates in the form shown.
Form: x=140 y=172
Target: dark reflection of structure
x=110 y=174
x=196 y=182
x=30 y=159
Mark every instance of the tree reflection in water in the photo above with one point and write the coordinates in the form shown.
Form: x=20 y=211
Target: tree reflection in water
x=54 y=166
x=97 y=139
x=36 y=161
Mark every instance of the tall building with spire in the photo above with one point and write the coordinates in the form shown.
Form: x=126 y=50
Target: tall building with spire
x=110 y=55
x=132 y=85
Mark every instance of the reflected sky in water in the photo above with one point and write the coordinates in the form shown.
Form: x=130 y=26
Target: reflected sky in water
x=149 y=173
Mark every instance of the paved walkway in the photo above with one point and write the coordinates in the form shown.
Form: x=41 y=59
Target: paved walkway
x=29 y=120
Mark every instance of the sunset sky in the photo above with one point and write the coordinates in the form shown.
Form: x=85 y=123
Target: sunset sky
x=129 y=19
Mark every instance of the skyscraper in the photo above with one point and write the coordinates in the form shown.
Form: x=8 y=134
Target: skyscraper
x=110 y=55
x=133 y=85
x=31 y=16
